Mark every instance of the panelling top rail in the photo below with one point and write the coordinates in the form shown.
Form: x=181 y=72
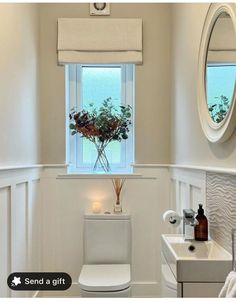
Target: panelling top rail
x=223 y=170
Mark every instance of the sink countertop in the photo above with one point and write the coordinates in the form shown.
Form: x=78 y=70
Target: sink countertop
x=196 y=261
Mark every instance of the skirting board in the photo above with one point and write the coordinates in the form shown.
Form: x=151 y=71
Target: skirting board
x=138 y=290
x=145 y=289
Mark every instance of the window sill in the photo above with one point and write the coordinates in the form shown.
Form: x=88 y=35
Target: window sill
x=102 y=176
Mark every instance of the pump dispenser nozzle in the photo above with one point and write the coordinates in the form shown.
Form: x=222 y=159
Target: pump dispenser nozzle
x=200 y=210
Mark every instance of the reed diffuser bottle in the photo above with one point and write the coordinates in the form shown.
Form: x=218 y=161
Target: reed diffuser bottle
x=118 y=185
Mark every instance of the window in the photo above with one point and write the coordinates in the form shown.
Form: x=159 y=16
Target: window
x=86 y=84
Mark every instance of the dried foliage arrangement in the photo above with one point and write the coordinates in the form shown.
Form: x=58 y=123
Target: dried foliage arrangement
x=101 y=126
x=219 y=110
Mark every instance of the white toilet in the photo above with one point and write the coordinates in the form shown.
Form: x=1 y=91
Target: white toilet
x=107 y=253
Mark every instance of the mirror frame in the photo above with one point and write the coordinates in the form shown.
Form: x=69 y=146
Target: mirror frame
x=215 y=132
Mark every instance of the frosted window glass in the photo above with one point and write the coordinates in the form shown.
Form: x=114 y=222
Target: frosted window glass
x=98 y=84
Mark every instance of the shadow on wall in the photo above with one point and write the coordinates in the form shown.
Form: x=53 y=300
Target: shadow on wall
x=224 y=150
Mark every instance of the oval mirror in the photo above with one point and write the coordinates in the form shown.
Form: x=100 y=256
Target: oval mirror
x=217 y=73
x=221 y=68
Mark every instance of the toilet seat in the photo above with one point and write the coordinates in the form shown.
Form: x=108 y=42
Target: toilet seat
x=105 y=277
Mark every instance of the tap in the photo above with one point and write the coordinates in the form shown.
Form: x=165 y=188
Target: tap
x=188 y=217
x=189 y=222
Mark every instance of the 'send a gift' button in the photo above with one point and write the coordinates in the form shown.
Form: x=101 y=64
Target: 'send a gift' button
x=39 y=281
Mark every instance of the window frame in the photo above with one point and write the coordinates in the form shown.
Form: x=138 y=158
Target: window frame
x=73 y=91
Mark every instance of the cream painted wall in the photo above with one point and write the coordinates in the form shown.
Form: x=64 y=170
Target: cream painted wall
x=188 y=143
x=19 y=102
x=152 y=139
x=19 y=93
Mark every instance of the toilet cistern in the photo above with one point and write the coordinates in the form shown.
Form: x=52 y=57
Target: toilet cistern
x=107 y=256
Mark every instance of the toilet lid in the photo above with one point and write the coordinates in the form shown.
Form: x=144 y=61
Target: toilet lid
x=104 y=277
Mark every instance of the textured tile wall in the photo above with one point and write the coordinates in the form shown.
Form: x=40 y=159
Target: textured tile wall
x=221 y=207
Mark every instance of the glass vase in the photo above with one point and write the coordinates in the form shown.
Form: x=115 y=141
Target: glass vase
x=101 y=160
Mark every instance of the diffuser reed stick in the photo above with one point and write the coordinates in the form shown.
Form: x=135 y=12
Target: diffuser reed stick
x=118 y=184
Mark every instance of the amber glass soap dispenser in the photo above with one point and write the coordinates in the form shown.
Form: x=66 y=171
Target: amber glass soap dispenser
x=201 y=229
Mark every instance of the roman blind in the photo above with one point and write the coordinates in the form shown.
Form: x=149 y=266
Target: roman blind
x=83 y=40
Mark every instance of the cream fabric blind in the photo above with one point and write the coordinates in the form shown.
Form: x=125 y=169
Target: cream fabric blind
x=99 y=40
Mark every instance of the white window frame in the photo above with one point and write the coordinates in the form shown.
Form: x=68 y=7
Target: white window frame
x=73 y=92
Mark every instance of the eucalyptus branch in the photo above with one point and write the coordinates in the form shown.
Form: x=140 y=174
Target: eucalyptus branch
x=102 y=126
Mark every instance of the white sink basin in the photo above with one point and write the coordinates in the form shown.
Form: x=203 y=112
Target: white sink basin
x=196 y=249
x=195 y=261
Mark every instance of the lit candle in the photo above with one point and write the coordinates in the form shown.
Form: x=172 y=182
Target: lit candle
x=96 y=207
